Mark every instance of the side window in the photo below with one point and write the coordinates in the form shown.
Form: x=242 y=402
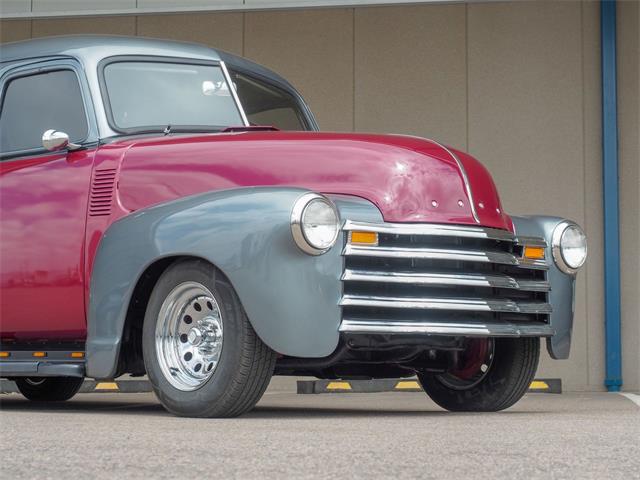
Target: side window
x=265 y=104
x=36 y=103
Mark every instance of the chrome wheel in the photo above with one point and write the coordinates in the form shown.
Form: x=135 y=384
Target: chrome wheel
x=189 y=336
x=34 y=381
x=474 y=366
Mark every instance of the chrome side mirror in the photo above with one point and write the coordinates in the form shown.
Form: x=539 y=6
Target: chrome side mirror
x=54 y=140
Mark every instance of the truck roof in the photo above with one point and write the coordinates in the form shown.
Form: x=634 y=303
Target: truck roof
x=91 y=49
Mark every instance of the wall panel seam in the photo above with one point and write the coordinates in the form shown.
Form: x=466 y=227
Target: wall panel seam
x=466 y=71
x=353 y=69
x=584 y=190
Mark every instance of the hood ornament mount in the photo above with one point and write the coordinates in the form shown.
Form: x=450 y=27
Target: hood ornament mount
x=465 y=179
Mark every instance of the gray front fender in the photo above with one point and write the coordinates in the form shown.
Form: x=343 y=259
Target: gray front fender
x=562 y=292
x=291 y=298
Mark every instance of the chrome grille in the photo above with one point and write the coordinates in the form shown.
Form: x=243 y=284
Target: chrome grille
x=443 y=279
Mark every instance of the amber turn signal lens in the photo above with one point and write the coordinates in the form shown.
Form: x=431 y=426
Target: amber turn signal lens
x=77 y=354
x=534 y=253
x=4 y=354
x=364 y=238
x=39 y=354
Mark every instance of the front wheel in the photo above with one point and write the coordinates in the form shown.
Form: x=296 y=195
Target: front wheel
x=201 y=354
x=48 y=389
x=491 y=375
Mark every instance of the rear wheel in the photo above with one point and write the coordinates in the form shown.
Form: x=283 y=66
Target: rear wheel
x=201 y=354
x=48 y=389
x=491 y=375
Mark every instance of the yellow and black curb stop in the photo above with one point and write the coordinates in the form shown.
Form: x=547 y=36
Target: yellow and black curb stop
x=122 y=386
x=542 y=385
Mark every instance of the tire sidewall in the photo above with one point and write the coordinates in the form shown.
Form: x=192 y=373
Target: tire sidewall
x=49 y=389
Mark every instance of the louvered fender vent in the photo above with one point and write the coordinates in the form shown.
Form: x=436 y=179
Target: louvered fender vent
x=102 y=192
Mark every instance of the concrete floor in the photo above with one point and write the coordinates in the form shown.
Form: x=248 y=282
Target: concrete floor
x=400 y=435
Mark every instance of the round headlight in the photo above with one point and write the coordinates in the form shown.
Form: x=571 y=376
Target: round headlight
x=569 y=247
x=314 y=223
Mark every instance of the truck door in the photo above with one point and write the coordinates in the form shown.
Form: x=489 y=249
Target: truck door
x=43 y=203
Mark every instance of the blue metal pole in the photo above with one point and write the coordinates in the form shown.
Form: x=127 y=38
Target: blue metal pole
x=613 y=358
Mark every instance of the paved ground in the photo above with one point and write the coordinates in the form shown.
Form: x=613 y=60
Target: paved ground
x=392 y=435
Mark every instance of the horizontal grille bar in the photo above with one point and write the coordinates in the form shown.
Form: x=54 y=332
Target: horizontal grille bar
x=435 y=303
x=430 y=229
x=449 y=279
x=458 y=231
x=530 y=241
x=503 y=258
x=431 y=253
x=502 y=329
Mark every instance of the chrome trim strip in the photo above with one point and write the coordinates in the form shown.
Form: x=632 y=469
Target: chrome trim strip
x=462 y=279
x=534 y=285
x=434 y=303
x=540 y=264
x=465 y=179
x=431 y=229
x=352 y=325
x=234 y=94
x=530 y=241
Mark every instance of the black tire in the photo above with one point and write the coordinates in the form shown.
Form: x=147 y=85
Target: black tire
x=513 y=368
x=245 y=366
x=48 y=389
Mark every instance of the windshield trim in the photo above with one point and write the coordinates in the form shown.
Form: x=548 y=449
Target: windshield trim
x=104 y=91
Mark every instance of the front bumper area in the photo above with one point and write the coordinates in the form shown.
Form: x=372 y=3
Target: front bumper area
x=443 y=280
x=446 y=328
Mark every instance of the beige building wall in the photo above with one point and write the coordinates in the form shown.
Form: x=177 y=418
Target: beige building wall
x=516 y=84
x=629 y=118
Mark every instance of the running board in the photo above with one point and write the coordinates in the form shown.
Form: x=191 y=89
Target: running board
x=41 y=369
x=41 y=363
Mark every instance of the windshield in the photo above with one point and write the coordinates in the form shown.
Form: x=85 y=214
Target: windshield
x=149 y=96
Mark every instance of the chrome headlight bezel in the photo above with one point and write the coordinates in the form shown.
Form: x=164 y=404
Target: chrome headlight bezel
x=557 y=250
x=297 y=227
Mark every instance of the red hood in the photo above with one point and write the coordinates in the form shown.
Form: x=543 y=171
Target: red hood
x=409 y=179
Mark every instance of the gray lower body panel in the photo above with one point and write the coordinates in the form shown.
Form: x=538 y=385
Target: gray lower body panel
x=41 y=369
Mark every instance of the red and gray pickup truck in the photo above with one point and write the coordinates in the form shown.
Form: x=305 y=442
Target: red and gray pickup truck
x=172 y=210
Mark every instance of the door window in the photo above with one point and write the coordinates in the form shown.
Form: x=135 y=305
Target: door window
x=36 y=103
x=267 y=105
